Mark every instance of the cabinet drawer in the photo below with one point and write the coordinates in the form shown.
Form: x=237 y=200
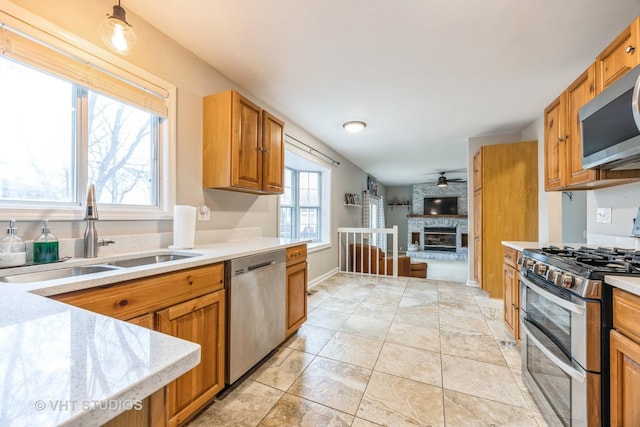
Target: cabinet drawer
x=126 y=300
x=510 y=257
x=626 y=312
x=296 y=254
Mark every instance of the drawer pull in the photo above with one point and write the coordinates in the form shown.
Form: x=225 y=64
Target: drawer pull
x=123 y=303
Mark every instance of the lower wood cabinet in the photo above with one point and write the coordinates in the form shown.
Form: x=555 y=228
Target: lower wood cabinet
x=625 y=359
x=200 y=320
x=188 y=304
x=511 y=283
x=296 y=291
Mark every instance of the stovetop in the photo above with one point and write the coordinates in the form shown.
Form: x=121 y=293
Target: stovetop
x=586 y=262
x=579 y=271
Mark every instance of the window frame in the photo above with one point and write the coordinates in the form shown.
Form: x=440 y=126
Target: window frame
x=56 y=38
x=324 y=171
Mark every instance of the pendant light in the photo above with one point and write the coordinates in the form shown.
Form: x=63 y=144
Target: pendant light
x=117 y=33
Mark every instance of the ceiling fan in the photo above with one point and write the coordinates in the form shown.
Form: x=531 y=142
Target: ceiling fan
x=443 y=181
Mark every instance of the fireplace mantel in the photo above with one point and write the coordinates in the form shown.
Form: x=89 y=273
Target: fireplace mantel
x=436 y=216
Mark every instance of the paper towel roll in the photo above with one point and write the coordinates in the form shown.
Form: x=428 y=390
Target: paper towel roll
x=184 y=227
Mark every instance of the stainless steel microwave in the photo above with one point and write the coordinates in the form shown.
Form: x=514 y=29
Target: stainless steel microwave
x=610 y=126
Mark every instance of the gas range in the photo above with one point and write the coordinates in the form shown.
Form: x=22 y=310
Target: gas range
x=579 y=270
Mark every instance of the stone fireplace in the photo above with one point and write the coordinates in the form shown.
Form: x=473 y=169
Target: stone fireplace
x=439 y=236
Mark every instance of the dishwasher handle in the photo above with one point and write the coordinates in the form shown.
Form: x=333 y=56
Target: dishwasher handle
x=255 y=262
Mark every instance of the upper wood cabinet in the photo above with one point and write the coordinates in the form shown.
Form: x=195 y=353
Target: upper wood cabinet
x=243 y=145
x=562 y=142
x=619 y=57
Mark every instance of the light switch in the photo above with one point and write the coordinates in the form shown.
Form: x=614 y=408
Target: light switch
x=603 y=215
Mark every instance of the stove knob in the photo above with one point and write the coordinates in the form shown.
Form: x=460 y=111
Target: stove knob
x=567 y=281
x=540 y=269
x=529 y=264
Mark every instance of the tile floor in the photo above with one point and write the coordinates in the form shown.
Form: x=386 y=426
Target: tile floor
x=385 y=351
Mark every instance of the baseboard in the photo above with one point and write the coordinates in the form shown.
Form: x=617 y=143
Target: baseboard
x=473 y=283
x=319 y=279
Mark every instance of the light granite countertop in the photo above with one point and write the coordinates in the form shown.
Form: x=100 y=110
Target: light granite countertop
x=519 y=246
x=66 y=366
x=629 y=284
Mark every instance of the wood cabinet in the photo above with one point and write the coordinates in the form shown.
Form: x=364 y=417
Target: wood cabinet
x=200 y=320
x=562 y=140
x=505 y=207
x=296 y=292
x=563 y=144
x=477 y=217
x=188 y=304
x=625 y=359
x=511 y=283
x=619 y=57
x=243 y=145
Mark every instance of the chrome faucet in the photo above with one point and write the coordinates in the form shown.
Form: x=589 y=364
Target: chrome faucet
x=91 y=241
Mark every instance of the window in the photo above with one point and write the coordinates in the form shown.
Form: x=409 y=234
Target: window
x=304 y=205
x=69 y=118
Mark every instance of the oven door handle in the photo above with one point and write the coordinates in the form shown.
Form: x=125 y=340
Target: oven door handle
x=578 y=375
x=554 y=299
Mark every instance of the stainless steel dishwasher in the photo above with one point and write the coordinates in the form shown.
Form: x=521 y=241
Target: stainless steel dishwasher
x=256 y=310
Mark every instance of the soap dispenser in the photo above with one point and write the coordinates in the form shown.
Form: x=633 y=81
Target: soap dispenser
x=13 y=251
x=45 y=247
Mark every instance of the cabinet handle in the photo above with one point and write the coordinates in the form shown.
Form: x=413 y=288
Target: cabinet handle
x=266 y=151
x=630 y=49
x=260 y=148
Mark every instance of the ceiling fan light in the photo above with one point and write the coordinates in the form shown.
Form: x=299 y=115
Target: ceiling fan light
x=442 y=181
x=354 y=126
x=116 y=33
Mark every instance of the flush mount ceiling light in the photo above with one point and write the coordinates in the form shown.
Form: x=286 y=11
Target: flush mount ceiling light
x=117 y=33
x=354 y=126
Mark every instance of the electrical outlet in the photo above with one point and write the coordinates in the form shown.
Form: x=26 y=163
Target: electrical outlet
x=603 y=215
x=204 y=213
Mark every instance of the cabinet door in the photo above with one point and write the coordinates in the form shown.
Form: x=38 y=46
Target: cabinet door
x=625 y=381
x=296 y=296
x=246 y=144
x=579 y=93
x=554 y=144
x=477 y=236
x=508 y=280
x=619 y=57
x=272 y=153
x=200 y=320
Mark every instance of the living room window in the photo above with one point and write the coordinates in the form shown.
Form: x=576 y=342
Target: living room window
x=304 y=203
x=69 y=118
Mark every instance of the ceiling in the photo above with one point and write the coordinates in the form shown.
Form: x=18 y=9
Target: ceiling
x=424 y=75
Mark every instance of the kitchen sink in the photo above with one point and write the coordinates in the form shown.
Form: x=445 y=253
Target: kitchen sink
x=150 y=259
x=61 y=273
x=39 y=276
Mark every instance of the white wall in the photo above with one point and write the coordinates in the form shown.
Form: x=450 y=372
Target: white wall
x=163 y=57
x=624 y=201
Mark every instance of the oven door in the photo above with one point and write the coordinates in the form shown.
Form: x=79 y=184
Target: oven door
x=557 y=383
x=561 y=315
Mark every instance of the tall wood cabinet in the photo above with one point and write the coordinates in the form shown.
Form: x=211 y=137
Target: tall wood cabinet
x=296 y=291
x=188 y=304
x=505 y=207
x=243 y=145
x=625 y=359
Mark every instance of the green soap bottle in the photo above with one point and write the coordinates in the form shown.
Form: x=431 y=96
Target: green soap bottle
x=45 y=247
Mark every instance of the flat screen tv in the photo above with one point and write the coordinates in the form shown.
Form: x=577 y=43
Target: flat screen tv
x=441 y=206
